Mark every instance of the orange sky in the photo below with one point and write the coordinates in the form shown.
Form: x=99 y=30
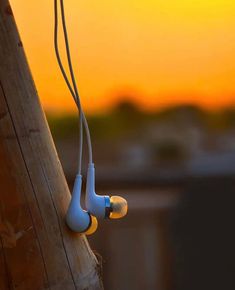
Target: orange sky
x=157 y=51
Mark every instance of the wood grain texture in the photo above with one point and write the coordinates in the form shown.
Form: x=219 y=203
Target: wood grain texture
x=37 y=250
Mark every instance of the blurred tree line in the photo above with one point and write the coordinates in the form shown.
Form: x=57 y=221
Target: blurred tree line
x=127 y=118
x=163 y=132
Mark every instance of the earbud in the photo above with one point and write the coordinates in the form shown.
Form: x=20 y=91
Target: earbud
x=101 y=206
x=77 y=219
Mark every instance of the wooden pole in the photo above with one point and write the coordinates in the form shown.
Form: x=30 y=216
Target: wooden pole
x=37 y=250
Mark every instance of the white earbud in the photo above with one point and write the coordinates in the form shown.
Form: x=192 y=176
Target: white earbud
x=103 y=206
x=77 y=219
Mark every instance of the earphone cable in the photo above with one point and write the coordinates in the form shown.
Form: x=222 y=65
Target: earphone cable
x=75 y=94
x=74 y=81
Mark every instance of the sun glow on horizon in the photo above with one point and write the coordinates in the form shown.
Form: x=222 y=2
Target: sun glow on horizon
x=155 y=52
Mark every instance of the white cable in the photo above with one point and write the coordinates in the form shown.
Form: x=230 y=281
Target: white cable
x=75 y=94
x=74 y=81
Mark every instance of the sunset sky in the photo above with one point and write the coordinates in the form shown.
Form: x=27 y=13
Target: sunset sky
x=156 y=52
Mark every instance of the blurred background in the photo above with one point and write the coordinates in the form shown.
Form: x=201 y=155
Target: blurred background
x=157 y=81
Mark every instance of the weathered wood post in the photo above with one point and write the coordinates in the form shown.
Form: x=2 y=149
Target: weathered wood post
x=37 y=251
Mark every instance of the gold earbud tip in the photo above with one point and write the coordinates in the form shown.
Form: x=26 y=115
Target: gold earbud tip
x=93 y=226
x=119 y=207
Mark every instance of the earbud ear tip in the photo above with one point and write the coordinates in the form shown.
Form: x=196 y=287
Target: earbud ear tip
x=92 y=227
x=119 y=207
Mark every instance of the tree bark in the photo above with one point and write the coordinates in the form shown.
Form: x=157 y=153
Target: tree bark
x=37 y=250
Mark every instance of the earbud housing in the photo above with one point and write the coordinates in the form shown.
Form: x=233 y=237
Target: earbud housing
x=77 y=219
x=102 y=206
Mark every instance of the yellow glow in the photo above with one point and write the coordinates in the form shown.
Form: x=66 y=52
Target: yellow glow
x=167 y=51
x=93 y=227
